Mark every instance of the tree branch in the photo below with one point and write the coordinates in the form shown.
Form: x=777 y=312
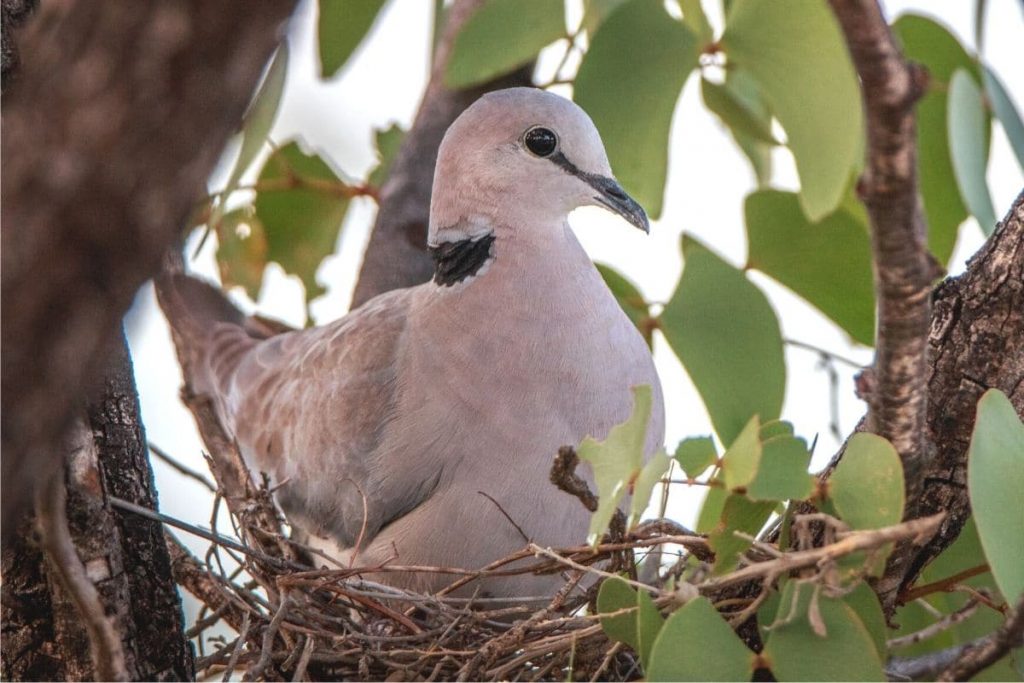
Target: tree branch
x=903 y=269
x=396 y=255
x=989 y=650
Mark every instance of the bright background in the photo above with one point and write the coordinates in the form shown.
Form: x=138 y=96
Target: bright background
x=708 y=180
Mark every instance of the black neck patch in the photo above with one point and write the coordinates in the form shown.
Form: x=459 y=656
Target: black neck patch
x=455 y=261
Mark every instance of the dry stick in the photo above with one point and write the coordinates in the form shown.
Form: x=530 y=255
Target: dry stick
x=990 y=649
x=948 y=621
x=181 y=468
x=104 y=640
x=307 y=653
x=943 y=584
x=239 y=645
x=903 y=270
x=268 y=638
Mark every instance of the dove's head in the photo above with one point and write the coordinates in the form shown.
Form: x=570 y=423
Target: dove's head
x=521 y=159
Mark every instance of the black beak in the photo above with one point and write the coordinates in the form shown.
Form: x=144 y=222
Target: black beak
x=612 y=196
x=609 y=193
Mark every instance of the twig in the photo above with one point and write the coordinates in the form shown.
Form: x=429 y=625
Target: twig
x=563 y=475
x=824 y=353
x=990 y=649
x=104 y=641
x=268 y=638
x=307 y=652
x=942 y=584
x=239 y=645
x=948 y=621
x=181 y=468
x=852 y=542
x=547 y=552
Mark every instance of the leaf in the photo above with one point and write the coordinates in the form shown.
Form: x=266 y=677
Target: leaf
x=775 y=428
x=968 y=124
x=864 y=602
x=648 y=624
x=640 y=55
x=782 y=474
x=739 y=115
x=260 y=117
x=629 y=298
x=241 y=251
x=796 y=53
x=726 y=334
x=796 y=653
x=301 y=223
x=695 y=455
x=649 y=476
x=695 y=20
x=712 y=508
x=743 y=88
x=995 y=480
x=739 y=514
x=931 y=44
x=595 y=12
x=617 y=461
x=613 y=596
x=827 y=263
x=741 y=459
x=696 y=644
x=501 y=36
x=341 y=27
x=388 y=141
x=867 y=485
x=1005 y=111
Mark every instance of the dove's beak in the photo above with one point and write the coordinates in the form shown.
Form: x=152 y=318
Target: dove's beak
x=611 y=195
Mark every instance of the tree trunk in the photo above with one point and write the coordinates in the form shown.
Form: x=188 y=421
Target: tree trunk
x=111 y=127
x=124 y=556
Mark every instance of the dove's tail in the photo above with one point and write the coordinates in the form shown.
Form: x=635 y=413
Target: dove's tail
x=210 y=334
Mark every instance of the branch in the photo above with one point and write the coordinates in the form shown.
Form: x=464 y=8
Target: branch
x=903 y=269
x=989 y=650
x=396 y=255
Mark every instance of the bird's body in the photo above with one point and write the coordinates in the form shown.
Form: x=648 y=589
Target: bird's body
x=420 y=428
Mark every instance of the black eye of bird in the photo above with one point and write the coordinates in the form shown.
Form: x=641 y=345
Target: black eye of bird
x=541 y=141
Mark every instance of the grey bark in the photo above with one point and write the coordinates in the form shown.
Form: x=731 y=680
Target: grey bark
x=124 y=556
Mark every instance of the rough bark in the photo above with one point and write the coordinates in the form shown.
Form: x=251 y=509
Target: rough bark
x=903 y=270
x=110 y=130
x=396 y=255
x=123 y=556
x=15 y=12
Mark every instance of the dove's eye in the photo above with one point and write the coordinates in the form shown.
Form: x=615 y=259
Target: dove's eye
x=541 y=141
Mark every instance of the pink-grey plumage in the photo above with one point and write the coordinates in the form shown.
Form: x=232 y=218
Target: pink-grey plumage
x=434 y=405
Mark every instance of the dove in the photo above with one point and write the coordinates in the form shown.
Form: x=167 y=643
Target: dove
x=420 y=428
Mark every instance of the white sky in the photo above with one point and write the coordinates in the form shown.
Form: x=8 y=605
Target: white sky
x=708 y=179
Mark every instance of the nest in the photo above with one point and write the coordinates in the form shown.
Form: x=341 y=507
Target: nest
x=297 y=622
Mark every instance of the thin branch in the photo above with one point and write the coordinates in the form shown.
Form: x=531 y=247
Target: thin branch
x=162 y=455
x=990 y=649
x=947 y=622
x=942 y=584
x=823 y=352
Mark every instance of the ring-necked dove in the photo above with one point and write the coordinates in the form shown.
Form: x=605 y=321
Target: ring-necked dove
x=423 y=425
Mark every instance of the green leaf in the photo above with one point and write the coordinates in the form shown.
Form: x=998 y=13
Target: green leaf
x=341 y=27
x=796 y=53
x=775 y=428
x=864 y=602
x=1005 y=111
x=741 y=459
x=827 y=263
x=640 y=54
x=595 y=12
x=302 y=222
x=261 y=114
x=712 y=508
x=738 y=114
x=726 y=334
x=241 y=251
x=782 y=474
x=648 y=624
x=739 y=514
x=617 y=461
x=867 y=485
x=388 y=141
x=613 y=596
x=697 y=645
x=630 y=299
x=501 y=36
x=933 y=45
x=797 y=653
x=968 y=145
x=742 y=87
x=695 y=455
x=649 y=476
x=995 y=480
x=696 y=20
